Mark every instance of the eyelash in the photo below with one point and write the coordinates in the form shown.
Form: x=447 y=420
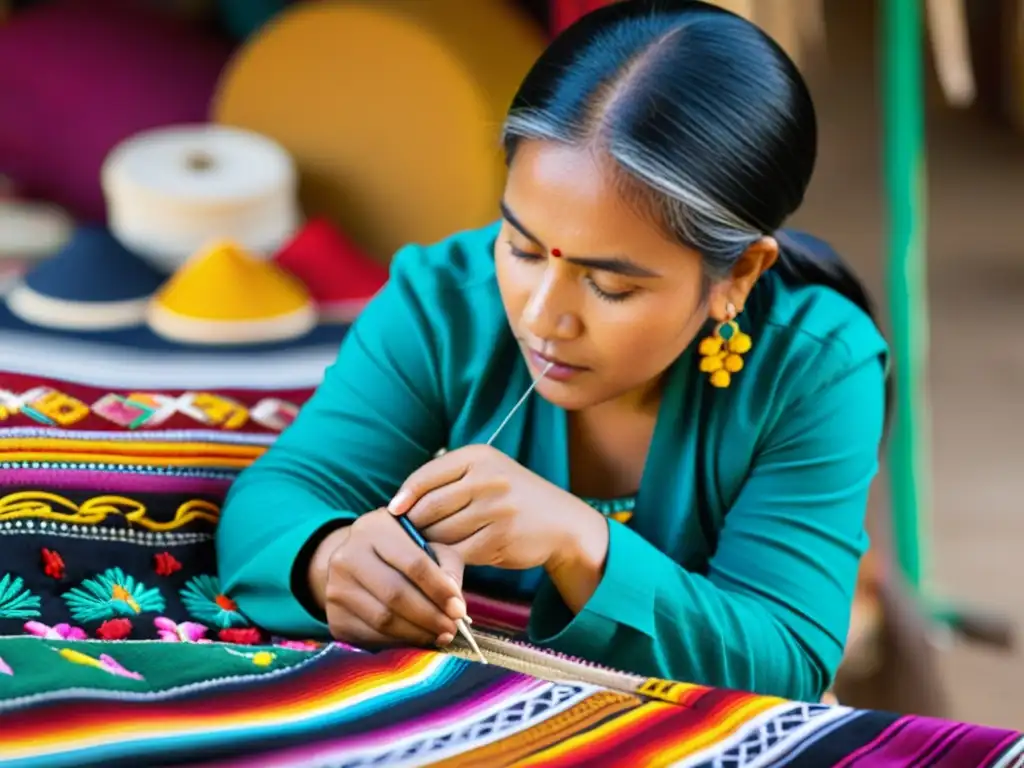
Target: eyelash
x=603 y=295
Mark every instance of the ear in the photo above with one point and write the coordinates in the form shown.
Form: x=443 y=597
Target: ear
x=736 y=287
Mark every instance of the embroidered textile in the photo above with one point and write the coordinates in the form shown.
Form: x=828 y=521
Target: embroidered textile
x=108 y=505
x=109 y=501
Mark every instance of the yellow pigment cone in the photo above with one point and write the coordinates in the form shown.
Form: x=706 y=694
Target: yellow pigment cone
x=222 y=295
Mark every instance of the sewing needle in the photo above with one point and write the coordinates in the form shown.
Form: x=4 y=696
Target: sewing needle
x=422 y=543
x=461 y=624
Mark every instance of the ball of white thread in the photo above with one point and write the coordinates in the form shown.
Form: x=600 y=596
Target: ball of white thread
x=172 y=190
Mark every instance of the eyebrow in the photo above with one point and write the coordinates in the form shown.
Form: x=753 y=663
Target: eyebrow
x=619 y=265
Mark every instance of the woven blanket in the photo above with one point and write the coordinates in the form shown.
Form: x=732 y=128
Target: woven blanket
x=149 y=703
x=122 y=650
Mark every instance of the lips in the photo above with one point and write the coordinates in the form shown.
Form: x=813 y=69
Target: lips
x=555 y=361
x=551 y=368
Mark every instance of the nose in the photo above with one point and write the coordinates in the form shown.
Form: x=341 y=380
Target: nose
x=550 y=313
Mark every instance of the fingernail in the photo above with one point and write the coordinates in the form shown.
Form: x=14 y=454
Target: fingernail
x=398 y=504
x=445 y=638
x=469 y=619
x=455 y=608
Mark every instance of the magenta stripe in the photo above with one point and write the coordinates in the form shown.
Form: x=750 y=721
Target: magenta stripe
x=111 y=482
x=446 y=717
x=997 y=751
x=489 y=611
x=888 y=734
x=974 y=749
x=1000 y=749
x=937 y=746
x=912 y=740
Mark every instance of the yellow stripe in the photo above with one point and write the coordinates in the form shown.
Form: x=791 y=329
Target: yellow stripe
x=35 y=444
x=725 y=727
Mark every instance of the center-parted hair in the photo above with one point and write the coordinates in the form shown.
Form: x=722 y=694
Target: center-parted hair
x=709 y=121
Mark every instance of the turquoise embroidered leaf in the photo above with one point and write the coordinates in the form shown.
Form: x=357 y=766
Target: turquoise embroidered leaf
x=16 y=602
x=112 y=594
x=203 y=599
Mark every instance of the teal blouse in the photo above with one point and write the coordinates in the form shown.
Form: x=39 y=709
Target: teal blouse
x=738 y=566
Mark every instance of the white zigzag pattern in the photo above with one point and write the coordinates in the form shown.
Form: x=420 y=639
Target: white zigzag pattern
x=758 y=742
x=767 y=736
x=522 y=714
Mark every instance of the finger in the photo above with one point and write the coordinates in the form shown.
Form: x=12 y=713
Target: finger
x=457 y=527
x=348 y=628
x=343 y=623
x=451 y=563
x=477 y=549
x=434 y=474
x=440 y=503
x=405 y=557
x=402 y=599
x=385 y=621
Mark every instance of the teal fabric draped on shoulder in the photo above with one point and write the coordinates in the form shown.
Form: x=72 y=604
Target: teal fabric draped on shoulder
x=749 y=522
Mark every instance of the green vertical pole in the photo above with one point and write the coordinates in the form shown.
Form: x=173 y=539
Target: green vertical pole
x=905 y=191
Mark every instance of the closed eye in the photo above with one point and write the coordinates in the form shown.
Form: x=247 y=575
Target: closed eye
x=601 y=293
x=608 y=295
x=519 y=253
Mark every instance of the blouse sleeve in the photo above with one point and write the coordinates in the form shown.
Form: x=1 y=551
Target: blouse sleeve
x=772 y=612
x=378 y=414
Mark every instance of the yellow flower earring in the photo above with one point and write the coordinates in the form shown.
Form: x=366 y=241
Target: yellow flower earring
x=721 y=353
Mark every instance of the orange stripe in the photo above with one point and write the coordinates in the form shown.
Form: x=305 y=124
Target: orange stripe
x=592 y=742
x=147 y=461
x=674 y=748
x=684 y=742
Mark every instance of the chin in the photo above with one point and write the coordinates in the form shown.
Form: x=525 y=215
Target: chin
x=566 y=396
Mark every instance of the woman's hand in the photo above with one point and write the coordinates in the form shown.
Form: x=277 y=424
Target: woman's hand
x=493 y=511
x=378 y=588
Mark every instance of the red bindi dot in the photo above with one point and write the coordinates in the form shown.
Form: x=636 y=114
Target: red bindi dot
x=556 y=253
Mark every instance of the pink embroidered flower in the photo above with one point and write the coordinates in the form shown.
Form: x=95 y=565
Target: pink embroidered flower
x=56 y=632
x=185 y=632
x=347 y=647
x=112 y=666
x=299 y=645
x=5 y=668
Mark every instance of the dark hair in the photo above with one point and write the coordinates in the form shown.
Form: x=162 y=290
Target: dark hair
x=709 y=120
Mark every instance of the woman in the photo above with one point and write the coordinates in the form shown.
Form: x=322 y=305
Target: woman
x=654 y=150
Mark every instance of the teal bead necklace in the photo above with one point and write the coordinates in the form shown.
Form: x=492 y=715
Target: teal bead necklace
x=608 y=507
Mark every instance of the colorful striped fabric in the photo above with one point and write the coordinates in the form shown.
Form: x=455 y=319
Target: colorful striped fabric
x=150 y=703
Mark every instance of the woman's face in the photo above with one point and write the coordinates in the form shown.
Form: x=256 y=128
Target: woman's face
x=589 y=283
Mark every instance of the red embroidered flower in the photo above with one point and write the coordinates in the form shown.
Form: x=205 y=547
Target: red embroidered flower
x=53 y=564
x=166 y=564
x=247 y=636
x=225 y=603
x=114 y=629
